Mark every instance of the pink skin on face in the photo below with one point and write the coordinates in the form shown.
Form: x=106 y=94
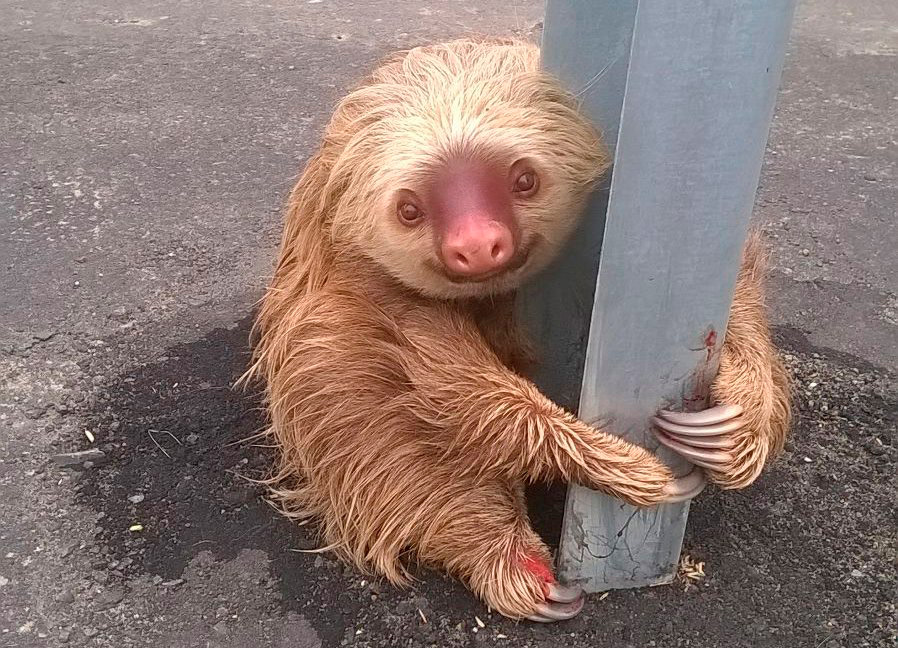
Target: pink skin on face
x=474 y=228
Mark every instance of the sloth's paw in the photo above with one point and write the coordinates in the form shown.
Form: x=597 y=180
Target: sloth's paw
x=722 y=440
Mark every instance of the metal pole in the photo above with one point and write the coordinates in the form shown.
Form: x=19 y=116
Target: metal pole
x=684 y=93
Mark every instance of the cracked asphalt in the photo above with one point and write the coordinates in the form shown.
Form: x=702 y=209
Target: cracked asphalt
x=145 y=152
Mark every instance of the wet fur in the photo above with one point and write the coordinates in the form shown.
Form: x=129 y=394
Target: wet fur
x=403 y=422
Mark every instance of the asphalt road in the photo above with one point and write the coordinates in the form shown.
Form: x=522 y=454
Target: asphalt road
x=145 y=151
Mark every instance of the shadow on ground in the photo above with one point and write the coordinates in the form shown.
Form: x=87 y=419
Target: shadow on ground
x=806 y=557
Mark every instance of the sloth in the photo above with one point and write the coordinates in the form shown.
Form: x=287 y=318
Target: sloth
x=393 y=368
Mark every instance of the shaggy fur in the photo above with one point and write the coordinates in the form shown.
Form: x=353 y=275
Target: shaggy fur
x=395 y=398
x=752 y=375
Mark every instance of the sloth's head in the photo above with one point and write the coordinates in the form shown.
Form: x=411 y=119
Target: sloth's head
x=460 y=168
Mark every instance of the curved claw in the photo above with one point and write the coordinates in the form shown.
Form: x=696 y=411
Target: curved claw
x=564 y=593
x=552 y=611
x=687 y=487
x=722 y=442
x=710 y=416
x=704 y=458
x=714 y=429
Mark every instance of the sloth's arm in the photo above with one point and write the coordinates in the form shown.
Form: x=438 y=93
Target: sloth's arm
x=492 y=422
x=735 y=440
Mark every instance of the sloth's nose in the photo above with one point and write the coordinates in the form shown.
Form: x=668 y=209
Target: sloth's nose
x=478 y=246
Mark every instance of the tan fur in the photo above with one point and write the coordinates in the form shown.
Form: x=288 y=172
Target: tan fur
x=752 y=375
x=394 y=395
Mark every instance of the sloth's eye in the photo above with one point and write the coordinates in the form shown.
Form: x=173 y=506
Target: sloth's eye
x=409 y=213
x=526 y=184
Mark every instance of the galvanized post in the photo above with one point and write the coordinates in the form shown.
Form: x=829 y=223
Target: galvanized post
x=684 y=93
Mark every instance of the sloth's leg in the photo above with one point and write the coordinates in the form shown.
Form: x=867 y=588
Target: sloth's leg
x=482 y=535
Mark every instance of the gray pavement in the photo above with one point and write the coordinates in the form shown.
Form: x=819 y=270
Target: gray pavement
x=145 y=151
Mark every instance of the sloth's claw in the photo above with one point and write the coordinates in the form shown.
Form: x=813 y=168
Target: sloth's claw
x=700 y=457
x=562 y=601
x=721 y=442
x=686 y=487
x=710 y=416
x=689 y=430
x=564 y=593
x=704 y=438
x=552 y=611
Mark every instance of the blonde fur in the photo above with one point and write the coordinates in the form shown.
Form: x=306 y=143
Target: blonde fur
x=752 y=375
x=394 y=395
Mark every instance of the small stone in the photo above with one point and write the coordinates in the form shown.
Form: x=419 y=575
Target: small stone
x=109 y=598
x=192 y=438
x=411 y=606
x=136 y=499
x=875 y=448
x=220 y=627
x=238 y=496
x=857 y=573
x=758 y=627
x=89 y=632
x=93 y=456
x=221 y=612
x=157 y=579
x=805 y=252
x=36 y=412
x=65 y=597
x=64 y=635
x=173 y=583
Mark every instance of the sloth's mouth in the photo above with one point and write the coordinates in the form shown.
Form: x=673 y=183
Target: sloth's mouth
x=518 y=262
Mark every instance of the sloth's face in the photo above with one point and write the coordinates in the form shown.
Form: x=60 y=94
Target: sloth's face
x=472 y=176
x=474 y=226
